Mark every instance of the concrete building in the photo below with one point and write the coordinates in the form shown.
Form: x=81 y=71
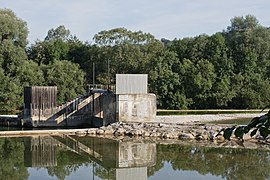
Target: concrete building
x=130 y=103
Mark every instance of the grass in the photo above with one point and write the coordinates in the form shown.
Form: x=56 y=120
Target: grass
x=242 y=121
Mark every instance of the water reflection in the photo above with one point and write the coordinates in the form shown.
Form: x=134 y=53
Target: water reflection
x=69 y=157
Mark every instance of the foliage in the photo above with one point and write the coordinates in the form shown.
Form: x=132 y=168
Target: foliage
x=68 y=78
x=54 y=46
x=12 y=159
x=258 y=124
x=67 y=162
x=228 y=69
x=10 y=93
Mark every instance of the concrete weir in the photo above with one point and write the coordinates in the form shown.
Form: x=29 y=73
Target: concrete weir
x=98 y=107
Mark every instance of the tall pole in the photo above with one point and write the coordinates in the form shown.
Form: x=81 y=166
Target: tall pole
x=109 y=74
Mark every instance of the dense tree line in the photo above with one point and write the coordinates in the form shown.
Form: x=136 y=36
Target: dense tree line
x=229 y=69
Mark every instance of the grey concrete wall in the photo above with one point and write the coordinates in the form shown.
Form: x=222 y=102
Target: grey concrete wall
x=136 y=107
x=99 y=109
x=109 y=108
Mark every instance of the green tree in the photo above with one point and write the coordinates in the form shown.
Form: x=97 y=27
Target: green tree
x=13 y=34
x=165 y=81
x=248 y=43
x=30 y=74
x=197 y=81
x=68 y=78
x=125 y=51
x=54 y=47
x=10 y=93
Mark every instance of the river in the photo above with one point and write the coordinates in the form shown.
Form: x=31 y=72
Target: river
x=73 y=157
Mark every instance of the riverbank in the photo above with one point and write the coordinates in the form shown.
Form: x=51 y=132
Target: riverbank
x=161 y=133
x=183 y=127
x=209 y=132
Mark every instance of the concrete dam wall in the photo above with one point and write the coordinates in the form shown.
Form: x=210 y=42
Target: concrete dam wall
x=93 y=109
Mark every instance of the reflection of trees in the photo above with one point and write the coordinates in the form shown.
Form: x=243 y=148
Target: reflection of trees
x=152 y=169
x=67 y=162
x=226 y=162
x=104 y=173
x=12 y=159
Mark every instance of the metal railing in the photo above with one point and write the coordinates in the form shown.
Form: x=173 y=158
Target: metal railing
x=110 y=87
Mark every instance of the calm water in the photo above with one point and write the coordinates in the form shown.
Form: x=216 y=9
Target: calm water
x=66 y=157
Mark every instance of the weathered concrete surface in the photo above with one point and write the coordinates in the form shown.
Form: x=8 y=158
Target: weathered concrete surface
x=136 y=107
x=92 y=110
x=41 y=132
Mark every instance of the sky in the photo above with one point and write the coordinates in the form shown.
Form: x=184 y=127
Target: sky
x=168 y=19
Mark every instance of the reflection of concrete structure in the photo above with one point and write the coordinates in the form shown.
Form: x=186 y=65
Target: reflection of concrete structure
x=137 y=173
x=136 y=154
x=128 y=160
x=40 y=152
x=114 y=154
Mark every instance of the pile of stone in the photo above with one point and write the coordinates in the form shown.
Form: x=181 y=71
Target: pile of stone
x=159 y=130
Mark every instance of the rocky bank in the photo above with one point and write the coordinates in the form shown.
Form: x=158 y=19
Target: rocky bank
x=198 y=132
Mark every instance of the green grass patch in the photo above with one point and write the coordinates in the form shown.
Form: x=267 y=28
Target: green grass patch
x=239 y=121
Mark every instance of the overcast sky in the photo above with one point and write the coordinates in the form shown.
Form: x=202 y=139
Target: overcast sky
x=162 y=18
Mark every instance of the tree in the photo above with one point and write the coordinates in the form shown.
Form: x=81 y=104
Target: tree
x=165 y=81
x=68 y=78
x=125 y=51
x=10 y=93
x=60 y=33
x=197 y=81
x=30 y=74
x=13 y=34
x=54 y=47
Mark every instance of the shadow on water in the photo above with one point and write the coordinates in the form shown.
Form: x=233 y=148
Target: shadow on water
x=69 y=157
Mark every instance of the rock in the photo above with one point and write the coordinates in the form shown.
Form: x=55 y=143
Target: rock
x=146 y=134
x=137 y=132
x=92 y=131
x=155 y=134
x=186 y=136
x=219 y=138
x=100 y=131
x=81 y=133
x=109 y=131
x=120 y=132
x=199 y=137
x=163 y=125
